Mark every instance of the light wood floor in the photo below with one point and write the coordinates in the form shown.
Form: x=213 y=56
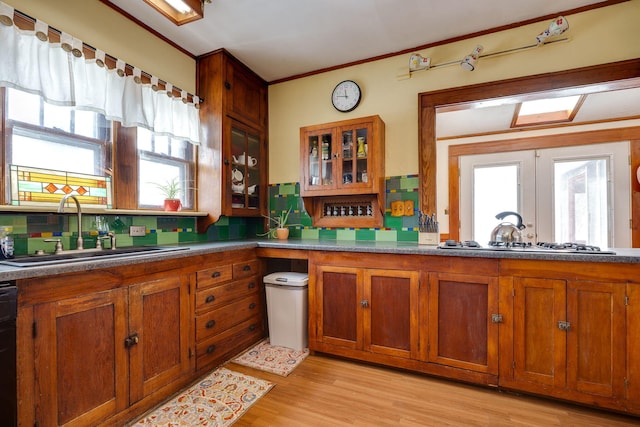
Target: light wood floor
x=325 y=391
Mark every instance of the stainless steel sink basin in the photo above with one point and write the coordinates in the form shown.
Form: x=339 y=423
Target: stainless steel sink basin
x=75 y=256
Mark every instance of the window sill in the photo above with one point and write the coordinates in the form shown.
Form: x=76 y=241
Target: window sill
x=98 y=211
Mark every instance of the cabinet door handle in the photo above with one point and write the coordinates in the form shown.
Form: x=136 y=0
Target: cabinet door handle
x=246 y=268
x=216 y=274
x=252 y=285
x=364 y=303
x=564 y=326
x=496 y=318
x=252 y=306
x=131 y=340
x=211 y=349
x=211 y=324
x=210 y=298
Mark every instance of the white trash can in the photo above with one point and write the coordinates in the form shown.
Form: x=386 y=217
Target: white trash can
x=287 y=309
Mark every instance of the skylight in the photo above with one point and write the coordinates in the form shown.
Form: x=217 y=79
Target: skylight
x=548 y=110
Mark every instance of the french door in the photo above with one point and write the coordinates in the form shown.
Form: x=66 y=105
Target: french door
x=570 y=194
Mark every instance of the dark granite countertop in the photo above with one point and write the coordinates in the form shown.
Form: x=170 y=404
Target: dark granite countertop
x=623 y=255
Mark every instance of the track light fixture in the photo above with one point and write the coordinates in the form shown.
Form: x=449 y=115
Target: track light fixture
x=557 y=27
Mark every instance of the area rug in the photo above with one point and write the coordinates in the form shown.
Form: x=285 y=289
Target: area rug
x=218 y=400
x=270 y=358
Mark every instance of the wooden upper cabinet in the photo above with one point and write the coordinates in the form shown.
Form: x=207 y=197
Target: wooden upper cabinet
x=342 y=172
x=247 y=95
x=234 y=103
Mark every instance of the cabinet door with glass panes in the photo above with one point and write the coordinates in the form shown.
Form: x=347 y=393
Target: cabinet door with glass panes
x=343 y=157
x=245 y=166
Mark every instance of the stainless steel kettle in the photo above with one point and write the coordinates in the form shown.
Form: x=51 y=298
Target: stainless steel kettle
x=506 y=233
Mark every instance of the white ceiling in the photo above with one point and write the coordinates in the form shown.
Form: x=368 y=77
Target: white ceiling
x=284 y=38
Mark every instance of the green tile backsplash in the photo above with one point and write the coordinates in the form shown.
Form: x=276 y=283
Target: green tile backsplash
x=31 y=230
x=287 y=195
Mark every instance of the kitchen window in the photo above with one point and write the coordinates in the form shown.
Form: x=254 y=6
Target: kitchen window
x=39 y=134
x=160 y=160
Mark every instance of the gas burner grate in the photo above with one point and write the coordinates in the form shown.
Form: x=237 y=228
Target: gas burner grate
x=569 y=246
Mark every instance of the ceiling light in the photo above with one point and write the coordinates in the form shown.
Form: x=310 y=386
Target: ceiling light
x=179 y=11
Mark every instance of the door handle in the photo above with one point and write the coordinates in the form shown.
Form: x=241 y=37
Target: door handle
x=364 y=303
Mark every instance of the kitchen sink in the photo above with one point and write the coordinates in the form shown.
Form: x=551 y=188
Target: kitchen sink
x=84 y=255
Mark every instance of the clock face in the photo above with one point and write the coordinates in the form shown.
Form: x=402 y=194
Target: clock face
x=346 y=96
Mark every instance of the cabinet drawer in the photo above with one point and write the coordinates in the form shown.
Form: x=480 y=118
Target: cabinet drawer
x=218 y=348
x=245 y=269
x=214 y=275
x=211 y=298
x=216 y=321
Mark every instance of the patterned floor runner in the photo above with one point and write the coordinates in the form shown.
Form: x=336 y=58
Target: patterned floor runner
x=271 y=358
x=218 y=400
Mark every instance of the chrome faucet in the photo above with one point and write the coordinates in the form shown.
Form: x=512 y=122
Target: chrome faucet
x=79 y=245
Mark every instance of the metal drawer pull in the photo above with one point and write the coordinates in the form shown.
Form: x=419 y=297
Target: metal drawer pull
x=211 y=324
x=252 y=285
x=364 y=303
x=246 y=268
x=252 y=306
x=211 y=349
x=216 y=274
x=210 y=298
x=252 y=327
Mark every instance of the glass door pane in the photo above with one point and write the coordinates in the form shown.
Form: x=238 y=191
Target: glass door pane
x=362 y=155
x=347 y=156
x=496 y=189
x=581 y=198
x=320 y=152
x=584 y=194
x=253 y=164
x=494 y=183
x=239 y=168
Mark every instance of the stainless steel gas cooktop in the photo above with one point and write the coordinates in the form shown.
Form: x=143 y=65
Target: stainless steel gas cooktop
x=545 y=247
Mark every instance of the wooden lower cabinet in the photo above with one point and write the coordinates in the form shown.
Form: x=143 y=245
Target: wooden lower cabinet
x=97 y=354
x=229 y=311
x=81 y=369
x=462 y=326
x=568 y=340
x=567 y=330
x=365 y=311
x=103 y=347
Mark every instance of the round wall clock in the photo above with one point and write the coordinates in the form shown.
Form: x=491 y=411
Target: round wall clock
x=346 y=96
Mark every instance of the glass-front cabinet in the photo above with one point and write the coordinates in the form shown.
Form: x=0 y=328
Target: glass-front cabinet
x=245 y=166
x=343 y=159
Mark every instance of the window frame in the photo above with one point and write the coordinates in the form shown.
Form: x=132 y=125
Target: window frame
x=119 y=159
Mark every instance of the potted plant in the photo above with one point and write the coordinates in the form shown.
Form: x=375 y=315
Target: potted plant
x=171 y=188
x=280 y=229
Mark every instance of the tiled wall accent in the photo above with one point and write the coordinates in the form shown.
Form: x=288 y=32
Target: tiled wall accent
x=287 y=195
x=31 y=230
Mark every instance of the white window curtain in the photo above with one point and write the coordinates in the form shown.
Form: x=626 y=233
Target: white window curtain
x=61 y=75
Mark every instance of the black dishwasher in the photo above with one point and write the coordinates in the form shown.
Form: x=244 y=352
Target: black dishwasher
x=8 y=388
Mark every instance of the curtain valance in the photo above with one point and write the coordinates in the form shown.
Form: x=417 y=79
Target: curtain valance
x=63 y=76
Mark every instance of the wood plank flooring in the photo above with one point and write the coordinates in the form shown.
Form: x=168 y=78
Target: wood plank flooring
x=325 y=391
